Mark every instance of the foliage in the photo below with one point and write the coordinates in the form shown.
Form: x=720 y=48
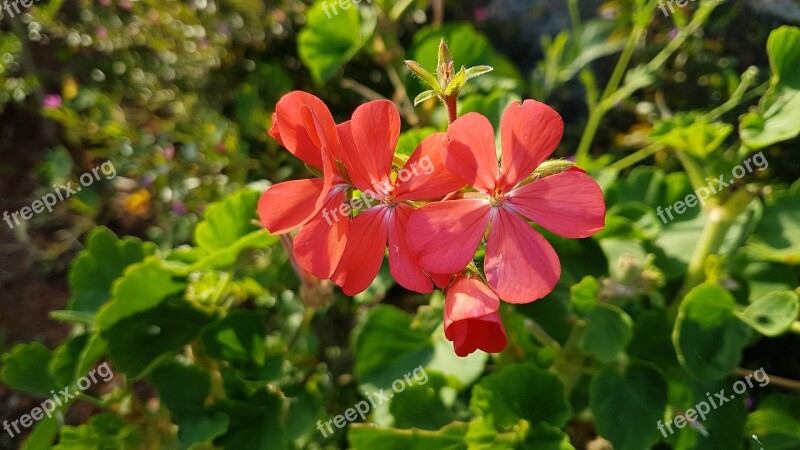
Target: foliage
x=216 y=340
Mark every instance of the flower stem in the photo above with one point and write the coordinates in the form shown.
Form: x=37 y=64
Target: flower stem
x=451 y=102
x=635 y=157
x=720 y=219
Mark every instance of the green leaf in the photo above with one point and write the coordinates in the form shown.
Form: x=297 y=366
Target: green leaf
x=424 y=97
x=421 y=405
x=708 y=337
x=43 y=434
x=65 y=359
x=143 y=287
x=366 y=437
x=584 y=294
x=104 y=431
x=225 y=257
x=99 y=264
x=428 y=78
x=136 y=342
x=240 y=339
x=777 y=237
x=504 y=398
x=305 y=405
x=202 y=428
x=690 y=132
x=255 y=425
x=331 y=37
x=608 y=333
x=477 y=71
x=25 y=369
x=460 y=372
x=715 y=426
x=652 y=339
x=777 y=422
x=457 y=83
x=779 y=110
x=772 y=314
x=387 y=347
x=492 y=105
x=627 y=404
x=544 y=436
x=182 y=388
x=226 y=221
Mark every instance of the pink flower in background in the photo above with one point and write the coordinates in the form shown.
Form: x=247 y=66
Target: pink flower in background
x=520 y=265
x=471 y=318
x=51 y=101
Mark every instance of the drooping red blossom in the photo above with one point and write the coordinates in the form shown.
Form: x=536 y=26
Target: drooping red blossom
x=368 y=143
x=471 y=318
x=520 y=265
x=305 y=127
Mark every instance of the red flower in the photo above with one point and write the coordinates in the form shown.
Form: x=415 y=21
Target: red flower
x=367 y=149
x=471 y=318
x=520 y=265
x=304 y=126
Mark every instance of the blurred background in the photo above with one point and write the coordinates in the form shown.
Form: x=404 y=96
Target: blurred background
x=178 y=96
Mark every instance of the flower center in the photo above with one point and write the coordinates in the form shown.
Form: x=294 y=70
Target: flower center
x=498 y=199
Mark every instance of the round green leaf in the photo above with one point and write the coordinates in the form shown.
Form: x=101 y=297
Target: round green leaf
x=772 y=314
x=627 y=405
x=708 y=337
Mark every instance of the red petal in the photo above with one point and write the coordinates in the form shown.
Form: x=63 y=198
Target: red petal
x=424 y=176
x=366 y=246
x=303 y=125
x=471 y=318
x=404 y=266
x=520 y=265
x=530 y=133
x=446 y=234
x=441 y=280
x=321 y=242
x=368 y=154
x=569 y=204
x=471 y=153
x=288 y=205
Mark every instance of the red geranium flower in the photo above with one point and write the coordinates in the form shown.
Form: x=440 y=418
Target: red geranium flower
x=471 y=318
x=520 y=265
x=304 y=126
x=367 y=149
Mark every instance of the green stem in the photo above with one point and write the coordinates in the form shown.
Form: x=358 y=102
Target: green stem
x=569 y=365
x=575 y=19
x=541 y=335
x=720 y=219
x=635 y=157
x=90 y=400
x=747 y=79
x=613 y=93
x=693 y=170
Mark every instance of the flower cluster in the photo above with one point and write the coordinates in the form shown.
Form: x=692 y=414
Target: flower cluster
x=434 y=221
